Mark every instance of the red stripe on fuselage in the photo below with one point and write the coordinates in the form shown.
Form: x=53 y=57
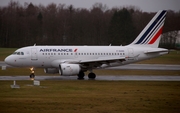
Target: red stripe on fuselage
x=156 y=36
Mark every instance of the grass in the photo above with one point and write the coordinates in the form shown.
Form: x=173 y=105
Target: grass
x=172 y=58
x=91 y=97
x=4 y=52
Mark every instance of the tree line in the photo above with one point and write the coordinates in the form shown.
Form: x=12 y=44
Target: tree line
x=66 y=25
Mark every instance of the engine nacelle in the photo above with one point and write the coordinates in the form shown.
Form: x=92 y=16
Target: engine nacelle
x=51 y=70
x=69 y=69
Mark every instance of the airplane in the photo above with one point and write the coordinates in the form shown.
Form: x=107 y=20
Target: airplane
x=75 y=60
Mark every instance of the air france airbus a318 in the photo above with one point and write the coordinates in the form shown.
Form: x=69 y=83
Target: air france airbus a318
x=75 y=60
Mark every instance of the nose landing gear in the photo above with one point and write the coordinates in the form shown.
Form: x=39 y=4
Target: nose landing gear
x=32 y=75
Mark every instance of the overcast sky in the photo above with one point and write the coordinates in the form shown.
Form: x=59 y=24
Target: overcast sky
x=144 y=5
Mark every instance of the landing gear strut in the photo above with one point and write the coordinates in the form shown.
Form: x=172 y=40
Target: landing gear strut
x=32 y=75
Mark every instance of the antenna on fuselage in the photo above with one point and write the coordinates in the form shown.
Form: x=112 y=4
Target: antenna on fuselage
x=35 y=44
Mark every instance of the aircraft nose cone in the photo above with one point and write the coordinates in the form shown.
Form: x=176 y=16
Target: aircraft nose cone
x=7 y=60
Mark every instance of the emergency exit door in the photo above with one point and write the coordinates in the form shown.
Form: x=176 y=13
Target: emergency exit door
x=34 y=54
x=130 y=51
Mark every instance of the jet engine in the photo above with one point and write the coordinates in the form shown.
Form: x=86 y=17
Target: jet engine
x=51 y=70
x=69 y=69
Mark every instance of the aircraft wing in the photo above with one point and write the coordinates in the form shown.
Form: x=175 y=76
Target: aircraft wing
x=89 y=63
x=95 y=63
x=103 y=59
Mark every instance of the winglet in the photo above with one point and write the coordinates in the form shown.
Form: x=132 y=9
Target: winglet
x=151 y=34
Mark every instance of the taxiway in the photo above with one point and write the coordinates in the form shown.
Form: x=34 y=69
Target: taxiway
x=100 y=77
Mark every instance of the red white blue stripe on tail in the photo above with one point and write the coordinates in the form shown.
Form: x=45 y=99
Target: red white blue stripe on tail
x=150 y=36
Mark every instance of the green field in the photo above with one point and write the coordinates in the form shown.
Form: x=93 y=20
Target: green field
x=4 y=52
x=90 y=97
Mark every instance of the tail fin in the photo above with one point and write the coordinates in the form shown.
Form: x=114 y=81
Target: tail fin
x=151 y=34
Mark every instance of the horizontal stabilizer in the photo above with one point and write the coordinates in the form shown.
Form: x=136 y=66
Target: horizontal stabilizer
x=155 y=51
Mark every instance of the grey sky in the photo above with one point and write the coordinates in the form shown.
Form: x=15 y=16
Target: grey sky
x=144 y=5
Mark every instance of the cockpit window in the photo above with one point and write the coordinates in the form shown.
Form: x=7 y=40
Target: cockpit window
x=18 y=53
x=22 y=53
x=14 y=53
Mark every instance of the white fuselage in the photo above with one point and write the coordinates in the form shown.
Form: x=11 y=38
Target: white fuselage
x=43 y=56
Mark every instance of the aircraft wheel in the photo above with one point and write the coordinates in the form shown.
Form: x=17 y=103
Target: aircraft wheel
x=81 y=75
x=92 y=75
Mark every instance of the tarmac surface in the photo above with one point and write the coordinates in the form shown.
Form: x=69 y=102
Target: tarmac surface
x=103 y=78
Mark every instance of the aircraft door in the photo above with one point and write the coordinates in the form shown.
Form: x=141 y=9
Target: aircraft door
x=130 y=52
x=34 y=54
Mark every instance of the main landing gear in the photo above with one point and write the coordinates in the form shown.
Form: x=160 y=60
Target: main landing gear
x=32 y=75
x=81 y=75
x=92 y=75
